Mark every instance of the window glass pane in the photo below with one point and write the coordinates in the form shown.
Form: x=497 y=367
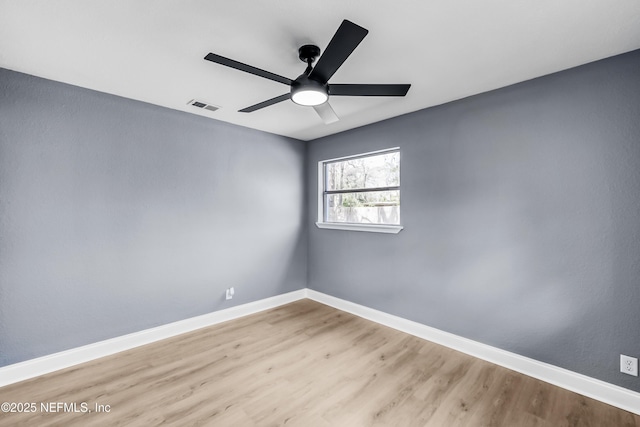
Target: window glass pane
x=372 y=207
x=382 y=170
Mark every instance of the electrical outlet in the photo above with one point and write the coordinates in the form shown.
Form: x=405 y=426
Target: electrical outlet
x=629 y=365
x=230 y=292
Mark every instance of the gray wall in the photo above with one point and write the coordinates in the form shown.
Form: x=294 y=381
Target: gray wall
x=116 y=216
x=521 y=210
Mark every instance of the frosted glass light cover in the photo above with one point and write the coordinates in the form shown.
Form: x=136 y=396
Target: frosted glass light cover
x=309 y=97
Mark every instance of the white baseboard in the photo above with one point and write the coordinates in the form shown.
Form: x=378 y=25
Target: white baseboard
x=586 y=386
x=43 y=365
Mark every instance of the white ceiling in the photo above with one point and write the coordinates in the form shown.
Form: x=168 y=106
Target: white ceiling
x=153 y=50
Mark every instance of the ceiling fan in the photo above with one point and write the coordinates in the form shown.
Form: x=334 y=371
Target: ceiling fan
x=311 y=88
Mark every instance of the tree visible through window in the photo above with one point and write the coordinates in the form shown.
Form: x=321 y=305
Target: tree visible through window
x=363 y=189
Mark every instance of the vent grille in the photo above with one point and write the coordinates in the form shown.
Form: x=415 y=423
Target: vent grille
x=203 y=105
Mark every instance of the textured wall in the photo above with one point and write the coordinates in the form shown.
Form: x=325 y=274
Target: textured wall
x=116 y=216
x=521 y=210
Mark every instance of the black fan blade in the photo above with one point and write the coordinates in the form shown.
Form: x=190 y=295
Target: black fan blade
x=344 y=41
x=368 y=90
x=246 y=68
x=265 y=103
x=326 y=113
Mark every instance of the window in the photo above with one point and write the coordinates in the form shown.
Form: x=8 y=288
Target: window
x=361 y=192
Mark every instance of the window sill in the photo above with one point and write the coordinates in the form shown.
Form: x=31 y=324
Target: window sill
x=371 y=228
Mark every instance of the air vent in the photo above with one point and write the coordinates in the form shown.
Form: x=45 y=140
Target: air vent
x=203 y=105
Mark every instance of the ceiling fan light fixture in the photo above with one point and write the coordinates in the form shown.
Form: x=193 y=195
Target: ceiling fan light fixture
x=308 y=92
x=309 y=97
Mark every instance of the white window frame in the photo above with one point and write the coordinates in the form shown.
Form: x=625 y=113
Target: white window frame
x=372 y=228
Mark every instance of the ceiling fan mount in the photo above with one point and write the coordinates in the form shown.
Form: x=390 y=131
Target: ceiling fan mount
x=312 y=87
x=308 y=53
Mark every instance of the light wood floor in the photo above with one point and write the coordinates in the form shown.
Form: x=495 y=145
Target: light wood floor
x=303 y=364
